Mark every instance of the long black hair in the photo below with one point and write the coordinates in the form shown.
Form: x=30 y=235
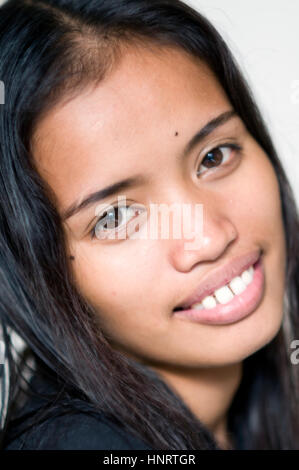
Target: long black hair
x=49 y=51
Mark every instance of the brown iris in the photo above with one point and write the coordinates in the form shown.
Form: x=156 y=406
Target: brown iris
x=214 y=157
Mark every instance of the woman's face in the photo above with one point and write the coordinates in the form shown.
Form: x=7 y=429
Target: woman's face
x=139 y=122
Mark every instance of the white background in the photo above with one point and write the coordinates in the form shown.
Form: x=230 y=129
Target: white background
x=264 y=37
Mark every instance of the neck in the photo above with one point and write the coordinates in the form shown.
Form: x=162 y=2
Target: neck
x=208 y=392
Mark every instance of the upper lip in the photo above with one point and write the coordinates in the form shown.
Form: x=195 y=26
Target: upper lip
x=220 y=276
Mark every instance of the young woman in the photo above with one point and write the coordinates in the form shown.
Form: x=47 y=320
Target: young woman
x=140 y=343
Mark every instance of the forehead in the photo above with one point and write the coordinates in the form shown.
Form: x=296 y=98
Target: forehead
x=106 y=132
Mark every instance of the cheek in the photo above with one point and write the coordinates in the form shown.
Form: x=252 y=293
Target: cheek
x=116 y=279
x=118 y=283
x=255 y=204
x=257 y=213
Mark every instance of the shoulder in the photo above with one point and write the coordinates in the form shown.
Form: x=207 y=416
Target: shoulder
x=76 y=431
x=46 y=422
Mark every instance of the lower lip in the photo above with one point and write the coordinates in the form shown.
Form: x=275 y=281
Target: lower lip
x=238 y=308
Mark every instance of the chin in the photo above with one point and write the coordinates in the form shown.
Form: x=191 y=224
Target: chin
x=263 y=327
x=237 y=341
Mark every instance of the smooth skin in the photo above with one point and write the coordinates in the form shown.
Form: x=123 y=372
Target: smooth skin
x=138 y=121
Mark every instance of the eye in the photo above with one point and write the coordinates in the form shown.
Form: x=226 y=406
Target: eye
x=217 y=157
x=113 y=221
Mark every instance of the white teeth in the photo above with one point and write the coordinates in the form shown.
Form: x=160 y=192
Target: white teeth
x=237 y=285
x=223 y=295
x=226 y=293
x=247 y=275
x=198 y=306
x=209 y=302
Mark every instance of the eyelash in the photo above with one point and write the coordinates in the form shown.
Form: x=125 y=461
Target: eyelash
x=231 y=146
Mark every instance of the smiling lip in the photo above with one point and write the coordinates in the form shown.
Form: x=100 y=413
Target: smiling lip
x=238 y=308
x=221 y=276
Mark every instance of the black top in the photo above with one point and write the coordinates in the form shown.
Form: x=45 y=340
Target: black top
x=64 y=430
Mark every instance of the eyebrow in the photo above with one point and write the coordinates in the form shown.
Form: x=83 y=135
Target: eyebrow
x=138 y=180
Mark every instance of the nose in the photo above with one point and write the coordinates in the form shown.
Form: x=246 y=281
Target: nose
x=218 y=232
